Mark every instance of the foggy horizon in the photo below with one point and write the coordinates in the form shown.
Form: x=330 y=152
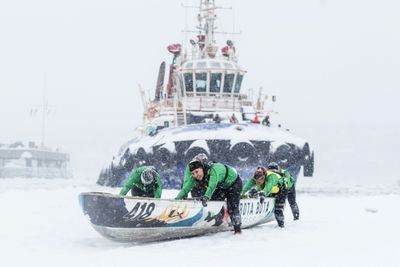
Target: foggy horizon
x=333 y=66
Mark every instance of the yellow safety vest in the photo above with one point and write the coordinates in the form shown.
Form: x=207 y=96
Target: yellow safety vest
x=274 y=189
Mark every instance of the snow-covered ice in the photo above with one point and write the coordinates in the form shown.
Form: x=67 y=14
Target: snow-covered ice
x=42 y=225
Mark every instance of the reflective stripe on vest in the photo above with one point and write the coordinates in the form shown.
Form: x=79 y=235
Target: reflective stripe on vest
x=275 y=189
x=285 y=179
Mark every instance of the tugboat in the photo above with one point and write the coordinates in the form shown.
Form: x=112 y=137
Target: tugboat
x=31 y=161
x=203 y=110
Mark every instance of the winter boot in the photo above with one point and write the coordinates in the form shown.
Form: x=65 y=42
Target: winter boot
x=281 y=224
x=295 y=211
x=237 y=229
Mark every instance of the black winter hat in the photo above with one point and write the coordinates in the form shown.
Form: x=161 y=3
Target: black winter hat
x=195 y=164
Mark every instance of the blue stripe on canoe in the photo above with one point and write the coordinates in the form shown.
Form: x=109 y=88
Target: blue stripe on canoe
x=187 y=222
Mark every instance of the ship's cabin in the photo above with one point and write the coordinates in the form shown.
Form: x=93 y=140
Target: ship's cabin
x=211 y=77
x=207 y=90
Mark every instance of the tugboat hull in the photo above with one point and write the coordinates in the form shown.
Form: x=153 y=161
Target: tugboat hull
x=243 y=146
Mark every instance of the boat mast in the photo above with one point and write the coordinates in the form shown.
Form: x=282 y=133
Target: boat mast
x=206 y=18
x=44 y=109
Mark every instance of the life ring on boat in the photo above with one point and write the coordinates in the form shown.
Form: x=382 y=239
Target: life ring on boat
x=283 y=156
x=141 y=158
x=163 y=158
x=193 y=151
x=243 y=154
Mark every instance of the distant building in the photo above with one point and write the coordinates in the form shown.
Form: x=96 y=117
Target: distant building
x=18 y=160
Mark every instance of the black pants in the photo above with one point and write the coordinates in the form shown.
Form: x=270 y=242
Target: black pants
x=197 y=191
x=136 y=192
x=291 y=195
x=232 y=194
x=280 y=199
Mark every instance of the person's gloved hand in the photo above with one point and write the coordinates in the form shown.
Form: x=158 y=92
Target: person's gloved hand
x=204 y=200
x=253 y=192
x=261 y=196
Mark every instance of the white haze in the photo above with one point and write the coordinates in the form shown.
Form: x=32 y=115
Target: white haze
x=333 y=65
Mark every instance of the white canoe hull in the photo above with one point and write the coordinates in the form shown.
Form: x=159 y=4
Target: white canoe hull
x=136 y=219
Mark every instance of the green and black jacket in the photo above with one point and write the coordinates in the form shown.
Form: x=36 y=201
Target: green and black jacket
x=217 y=175
x=134 y=180
x=273 y=181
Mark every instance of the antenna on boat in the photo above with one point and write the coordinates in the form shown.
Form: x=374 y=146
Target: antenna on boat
x=186 y=30
x=206 y=28
x=44 y=110
x=233 y=20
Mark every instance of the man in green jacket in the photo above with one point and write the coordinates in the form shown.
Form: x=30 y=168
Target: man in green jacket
x=216 y=175
x=200 y=187
x=290 y=186
x=143 y=182
x=269 y=184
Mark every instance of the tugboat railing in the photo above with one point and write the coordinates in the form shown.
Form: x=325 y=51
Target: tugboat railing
x=204 y=103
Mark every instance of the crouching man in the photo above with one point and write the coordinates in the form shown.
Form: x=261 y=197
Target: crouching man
x=290 y=186
x=217 y=177
x=269 y=184
x=143 y=182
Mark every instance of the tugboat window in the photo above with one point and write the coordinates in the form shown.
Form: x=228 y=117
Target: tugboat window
x=228 y=66
x=188 y=82
x=228 y=83
x=238 y=83
x=201 y=82
x=215 y=64
x=201 y=64
x=215 y=83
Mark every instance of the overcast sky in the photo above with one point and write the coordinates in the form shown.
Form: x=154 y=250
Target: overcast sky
x=334 y=66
